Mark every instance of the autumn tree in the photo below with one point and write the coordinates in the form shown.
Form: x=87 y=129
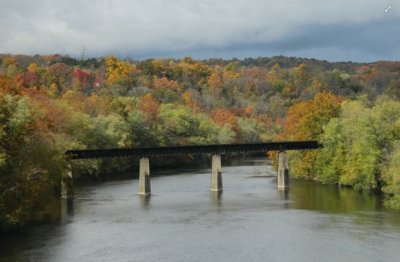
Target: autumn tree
x=118 y=70
x=61 y=75
x=190 y=101
x=149 y=106
x=29 y=163
x=8 y=86
x=306 y=121
x=223 y=116
x=83 y=80
x=215 y=84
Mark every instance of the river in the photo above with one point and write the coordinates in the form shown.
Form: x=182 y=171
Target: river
x=182 y=221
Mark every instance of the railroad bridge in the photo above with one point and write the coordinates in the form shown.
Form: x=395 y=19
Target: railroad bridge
x=144 y=153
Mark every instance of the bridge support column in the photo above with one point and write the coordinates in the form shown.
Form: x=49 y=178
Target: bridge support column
x=144 y=177
x=283 y=170
x=67 y=186
x=216 y=174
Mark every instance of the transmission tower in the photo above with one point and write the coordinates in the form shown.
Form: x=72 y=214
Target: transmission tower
x=83 y=53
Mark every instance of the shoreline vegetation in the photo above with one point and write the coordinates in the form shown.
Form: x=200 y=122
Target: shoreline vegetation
x=51 y=103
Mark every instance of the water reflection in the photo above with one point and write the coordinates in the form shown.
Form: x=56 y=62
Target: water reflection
x=67 y=207
x=283 y=194
x=331 y=199
x=51 y=213
x=145 y=201
x=216 y=199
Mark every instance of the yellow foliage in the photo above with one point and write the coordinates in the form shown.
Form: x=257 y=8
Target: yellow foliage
x=8 y=61
x=215 y=81
x=118 y=70
x=33 y=68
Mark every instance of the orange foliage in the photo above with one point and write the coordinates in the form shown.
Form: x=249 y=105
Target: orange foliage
x=166 y=83
x=222 y=116
x=306 y=120
x=255 y=72
x=50 y=115
x=8 y=86
x=149 y=106
x=19 y=80
x=248 y=110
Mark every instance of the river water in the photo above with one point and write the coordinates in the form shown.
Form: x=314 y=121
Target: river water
x=182 y=221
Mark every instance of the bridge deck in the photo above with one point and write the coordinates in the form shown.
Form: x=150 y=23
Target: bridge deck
x=193 y=149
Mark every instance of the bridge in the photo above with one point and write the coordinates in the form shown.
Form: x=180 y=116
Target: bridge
x=144 y=153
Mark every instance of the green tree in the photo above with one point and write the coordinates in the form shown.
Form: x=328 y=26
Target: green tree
x=391 y=178
x=30 y=165
x=356 y=143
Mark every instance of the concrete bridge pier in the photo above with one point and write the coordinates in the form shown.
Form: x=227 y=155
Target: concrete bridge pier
x=144 y=177
x=216 y=174
x=283 y=171
x=67 y=185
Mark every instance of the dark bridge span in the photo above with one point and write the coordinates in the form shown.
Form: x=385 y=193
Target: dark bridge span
x=198 y=149
x=215 y=150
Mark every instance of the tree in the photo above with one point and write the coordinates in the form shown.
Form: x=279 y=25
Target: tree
x=8 y=86
x=223 y=116
x=190 y=101
x=179 y=126
x=30 y=165
x=357 y=143
x=61 y=75
x=391 y=178
x=118 y=71
x=215 y=83
x=306 y=121
x=149 y=106
x=83 y=80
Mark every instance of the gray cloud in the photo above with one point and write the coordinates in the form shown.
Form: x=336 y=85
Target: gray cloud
x=335 y=30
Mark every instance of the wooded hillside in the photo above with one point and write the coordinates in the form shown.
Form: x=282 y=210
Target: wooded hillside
x=52 y=103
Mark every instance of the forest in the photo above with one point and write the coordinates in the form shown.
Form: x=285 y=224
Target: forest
x=52 y=103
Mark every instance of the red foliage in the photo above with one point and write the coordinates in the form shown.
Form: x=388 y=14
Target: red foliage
x=81 y=76
x=31 y=79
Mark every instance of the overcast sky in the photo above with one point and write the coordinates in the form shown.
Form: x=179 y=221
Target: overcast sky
x=335 y=30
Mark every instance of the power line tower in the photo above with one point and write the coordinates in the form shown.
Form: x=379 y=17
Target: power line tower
x=83 y=53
